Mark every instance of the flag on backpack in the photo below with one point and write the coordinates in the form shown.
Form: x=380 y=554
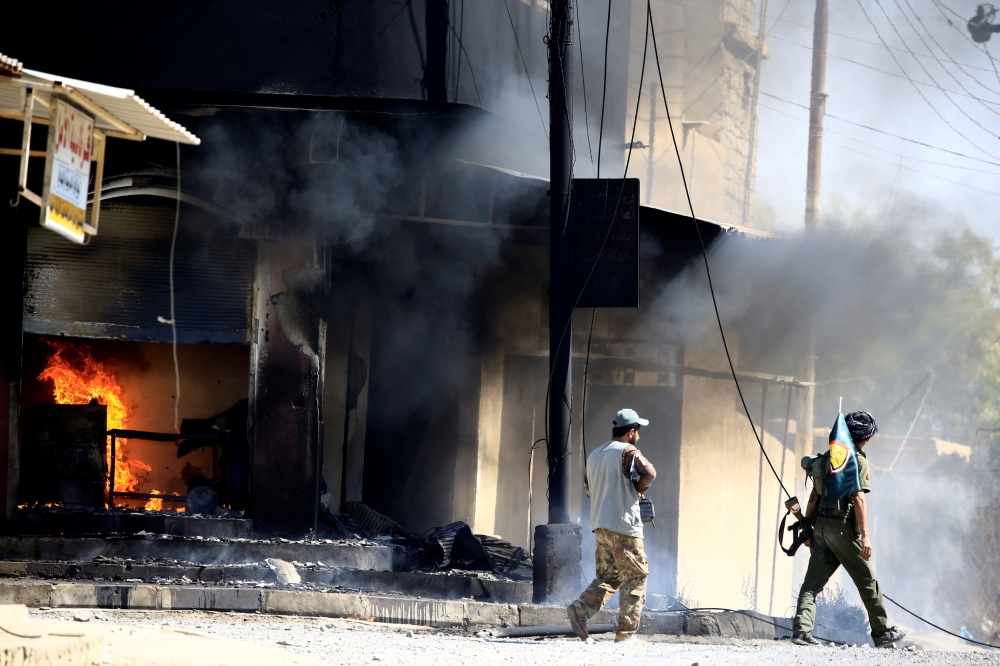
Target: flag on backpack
x=843 y=479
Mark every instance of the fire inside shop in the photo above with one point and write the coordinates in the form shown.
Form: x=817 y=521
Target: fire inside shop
x=323 y=335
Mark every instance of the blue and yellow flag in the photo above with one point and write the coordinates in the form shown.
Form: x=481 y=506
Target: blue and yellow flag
x=843 y=479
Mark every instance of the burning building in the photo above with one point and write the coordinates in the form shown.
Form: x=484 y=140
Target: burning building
x=358 y=260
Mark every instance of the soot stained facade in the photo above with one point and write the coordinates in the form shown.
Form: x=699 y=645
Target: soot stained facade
x=358 y=226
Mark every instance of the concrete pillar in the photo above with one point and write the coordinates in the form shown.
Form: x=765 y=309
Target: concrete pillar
x=13 y=258
x=488 y=440
x=338 y=337
x=286 y=409
x=358 y=370
x=557 y=576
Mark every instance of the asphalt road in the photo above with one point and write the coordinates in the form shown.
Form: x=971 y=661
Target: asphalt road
x=335 y=641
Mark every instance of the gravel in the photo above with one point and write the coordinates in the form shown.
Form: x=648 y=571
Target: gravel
x=359 y=642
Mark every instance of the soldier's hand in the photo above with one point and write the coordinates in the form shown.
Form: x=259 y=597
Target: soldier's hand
x=808 y=543
x=866 y=548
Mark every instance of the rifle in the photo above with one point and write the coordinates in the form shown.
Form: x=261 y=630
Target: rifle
x=801 y=530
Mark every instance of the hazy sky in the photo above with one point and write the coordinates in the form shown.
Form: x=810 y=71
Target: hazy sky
x=861 y=168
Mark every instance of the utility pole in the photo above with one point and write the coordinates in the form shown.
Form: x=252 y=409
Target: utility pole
x=557 y=554
x=817 y=112
x=560 y=258
x=814 y=169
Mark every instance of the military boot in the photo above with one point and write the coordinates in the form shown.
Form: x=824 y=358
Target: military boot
x=888 y=640
x=805 y=639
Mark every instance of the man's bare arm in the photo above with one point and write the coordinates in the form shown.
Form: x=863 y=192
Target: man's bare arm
x=861 y=514
x=586 y=485
x=647 y=473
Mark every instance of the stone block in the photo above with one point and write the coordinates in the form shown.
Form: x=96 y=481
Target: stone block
x=14 y=569
x=671 y=624
x=558 y=576
x=145 y=596
x=215 y=598
x=81 y=595
x=30 y=594
x=508 y=591
x=429 y=612
x=702 y=624
x=493 y=614
x=290 y=602
x=534 y=615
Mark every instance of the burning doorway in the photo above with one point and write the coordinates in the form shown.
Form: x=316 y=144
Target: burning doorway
x=134 y=381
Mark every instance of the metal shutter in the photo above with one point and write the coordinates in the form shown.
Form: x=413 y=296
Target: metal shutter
x=116 y=286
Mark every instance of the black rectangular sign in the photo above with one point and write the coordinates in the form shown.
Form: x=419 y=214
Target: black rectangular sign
x=605 y=224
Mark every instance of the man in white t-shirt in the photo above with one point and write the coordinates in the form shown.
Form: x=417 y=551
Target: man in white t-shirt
x=617 y=476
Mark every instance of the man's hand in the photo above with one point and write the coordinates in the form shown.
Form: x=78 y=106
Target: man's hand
x=808 y=543
x=866 y=547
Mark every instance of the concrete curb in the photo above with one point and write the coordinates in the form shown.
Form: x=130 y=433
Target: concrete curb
x=406 y=583
x=391 y=609
x=367 y=556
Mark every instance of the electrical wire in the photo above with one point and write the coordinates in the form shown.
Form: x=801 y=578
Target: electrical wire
x=704 y=252
x=886 y=72
x=939 y=628
x=652 y=30
x=889 y=152
x=604 y=91
x=922 y=96
x=871 y=43
x=472 y=72
x=881 y=131
x=611 y=224
x=525 y=65
x=980 y=47
x=583 y=409
x=930 y=35
x=928 y=47
x=173 y=314
x=892 y=25
x=583 y=79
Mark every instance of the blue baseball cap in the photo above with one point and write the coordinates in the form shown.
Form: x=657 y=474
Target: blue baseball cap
x=626 y=417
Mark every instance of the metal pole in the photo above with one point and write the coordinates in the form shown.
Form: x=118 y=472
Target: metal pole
x=560 y=258
x=111 y=481
x=817 y=111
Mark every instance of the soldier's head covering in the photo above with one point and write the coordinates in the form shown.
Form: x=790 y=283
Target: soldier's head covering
x=861 y=426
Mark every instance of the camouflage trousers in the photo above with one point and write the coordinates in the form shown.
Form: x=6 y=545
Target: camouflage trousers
x=621 y=565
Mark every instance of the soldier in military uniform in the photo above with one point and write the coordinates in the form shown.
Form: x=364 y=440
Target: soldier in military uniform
x=841 y=538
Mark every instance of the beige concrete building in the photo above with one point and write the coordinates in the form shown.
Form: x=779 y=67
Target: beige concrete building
x=481 y=459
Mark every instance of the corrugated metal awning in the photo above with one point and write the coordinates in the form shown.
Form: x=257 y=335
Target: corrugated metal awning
x=118 y=112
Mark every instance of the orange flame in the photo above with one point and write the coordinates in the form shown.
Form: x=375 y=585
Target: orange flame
x=154 y=504
x=78 y=378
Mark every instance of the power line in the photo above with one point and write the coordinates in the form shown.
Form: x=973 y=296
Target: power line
x=922 y=96
x=704 y=251
x=865 y=41
x=884 y=150
x=880 y=131
x=950 y=633
x=892 y=25
x=600 y=251
x=941 y=7
x=945 y=51
x=928 y=47
x=837 y=34
x=520 y=53
x=924 y=173
x=583 y=79
x=687 y=192
x=604 y=91
x=882 y=71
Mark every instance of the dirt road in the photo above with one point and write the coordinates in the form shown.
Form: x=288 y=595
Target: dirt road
x=358 y=642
